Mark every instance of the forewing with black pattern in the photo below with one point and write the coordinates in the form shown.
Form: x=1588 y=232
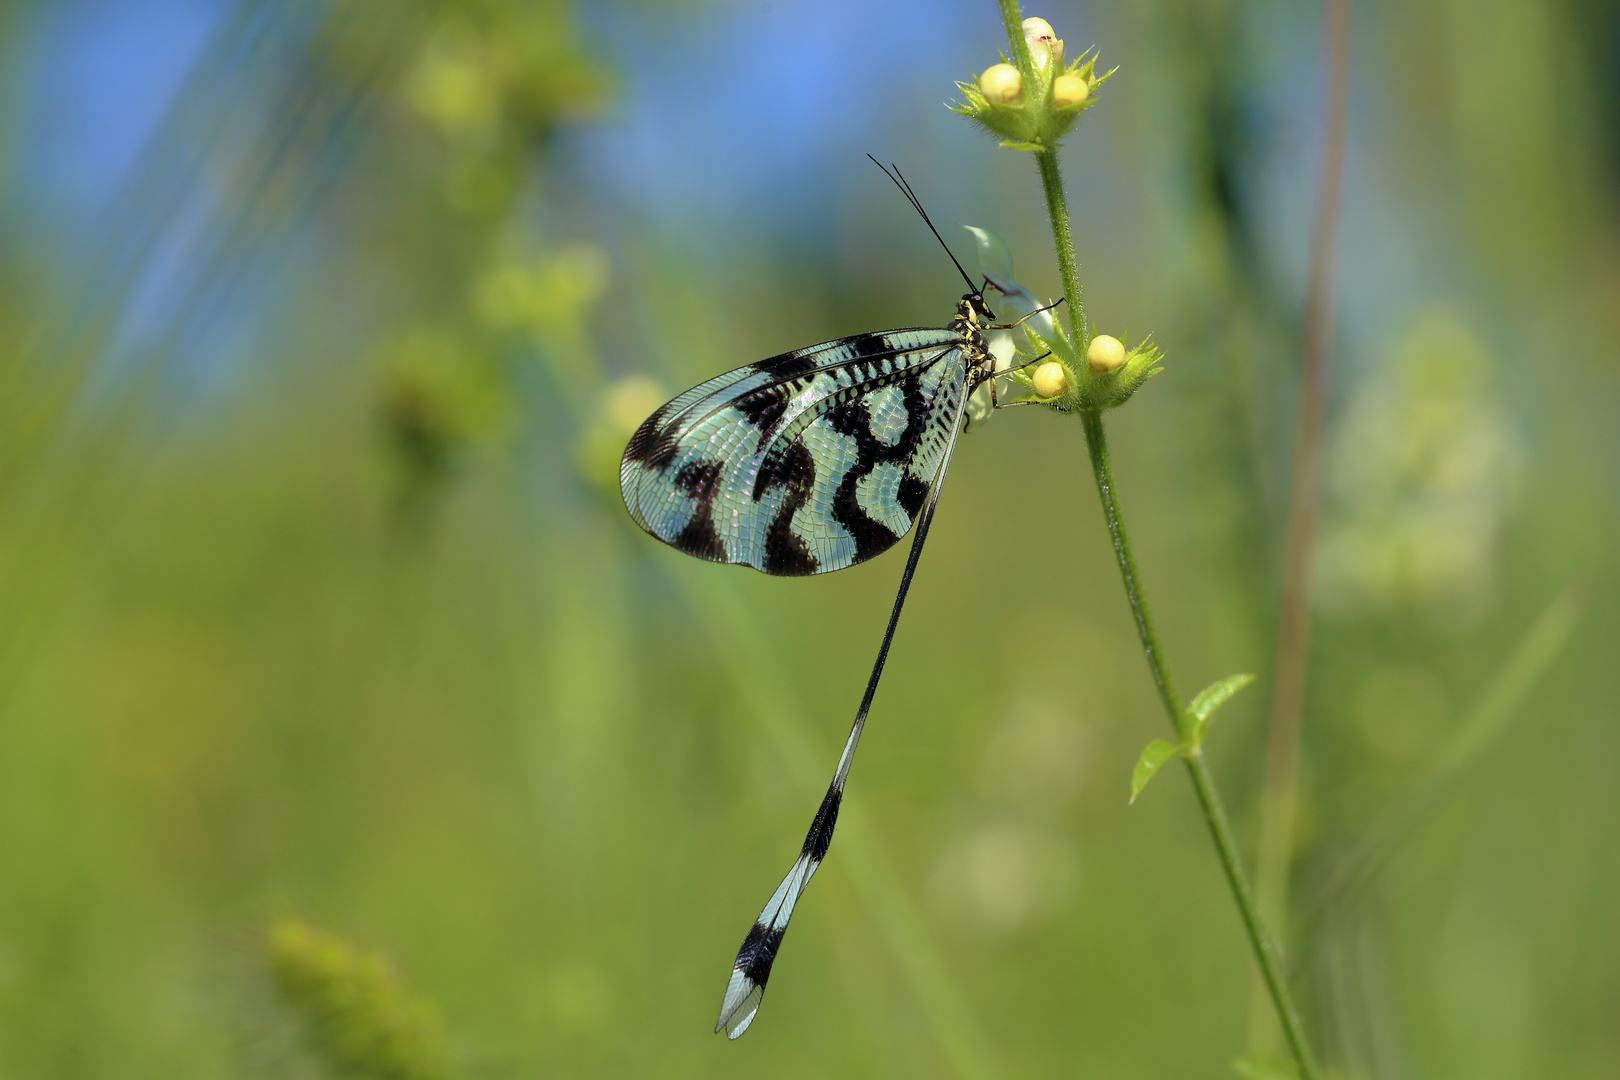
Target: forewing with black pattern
x=804 y=463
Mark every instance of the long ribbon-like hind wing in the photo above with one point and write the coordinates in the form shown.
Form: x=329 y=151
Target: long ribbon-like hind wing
x=753 y=965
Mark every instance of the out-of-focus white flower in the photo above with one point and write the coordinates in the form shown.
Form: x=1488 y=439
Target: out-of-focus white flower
x=1421 y=477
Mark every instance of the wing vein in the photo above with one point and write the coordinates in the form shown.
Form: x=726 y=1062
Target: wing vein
x=803 y=474
x=746 y=988
x=820 y=369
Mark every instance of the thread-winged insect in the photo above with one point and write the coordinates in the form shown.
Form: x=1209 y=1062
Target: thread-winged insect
x=804 y=463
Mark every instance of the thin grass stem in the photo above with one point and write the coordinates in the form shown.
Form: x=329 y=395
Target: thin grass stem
x=759 y=675
x=1280 y=796
x=1479 y=729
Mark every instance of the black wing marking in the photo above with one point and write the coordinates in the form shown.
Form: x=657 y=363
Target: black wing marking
x=752 y=968
x=806 y=463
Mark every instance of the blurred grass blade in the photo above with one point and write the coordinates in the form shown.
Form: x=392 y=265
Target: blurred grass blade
x=767 y=688
x=1265 y=1068
x=1483 y=725
x=91 y=401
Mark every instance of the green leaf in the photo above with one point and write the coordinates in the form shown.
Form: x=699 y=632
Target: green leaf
x=1013 y=144
x=1152 y=760
x=1210 y=698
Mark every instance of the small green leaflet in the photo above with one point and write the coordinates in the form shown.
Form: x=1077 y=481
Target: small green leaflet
x=1152 y=760
x=1210 y=698
x=1199 y=713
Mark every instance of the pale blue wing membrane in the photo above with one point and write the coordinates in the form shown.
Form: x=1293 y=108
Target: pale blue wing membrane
x=805 y=463
x=746 y=987
x=802 y=464
x=750 y=972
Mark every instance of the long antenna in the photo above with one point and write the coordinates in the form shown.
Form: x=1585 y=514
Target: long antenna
x=916 y=204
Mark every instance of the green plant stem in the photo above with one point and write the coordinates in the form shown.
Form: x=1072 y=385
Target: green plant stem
x=1013 y=19
x=1102 y=469
x=1266 y=953
x=1057 y=208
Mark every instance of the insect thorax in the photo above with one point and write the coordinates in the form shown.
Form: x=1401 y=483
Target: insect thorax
x=971 y=317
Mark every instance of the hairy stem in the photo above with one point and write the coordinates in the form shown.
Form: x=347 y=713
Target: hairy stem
x=1103 y=470
x=1013 y=19
x=1266 y=953
x=1057 y=208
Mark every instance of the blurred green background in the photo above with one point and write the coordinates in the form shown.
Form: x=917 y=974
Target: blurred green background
x=349 y=727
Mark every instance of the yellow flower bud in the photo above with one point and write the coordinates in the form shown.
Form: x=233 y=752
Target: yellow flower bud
x=1002 y=84
x=1044 y=46
x=1050 y=380
x=1105 y=354
x=1069 y=91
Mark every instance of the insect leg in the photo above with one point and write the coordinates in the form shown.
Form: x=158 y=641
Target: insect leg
x=1020 y=367
x=1026 y=318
